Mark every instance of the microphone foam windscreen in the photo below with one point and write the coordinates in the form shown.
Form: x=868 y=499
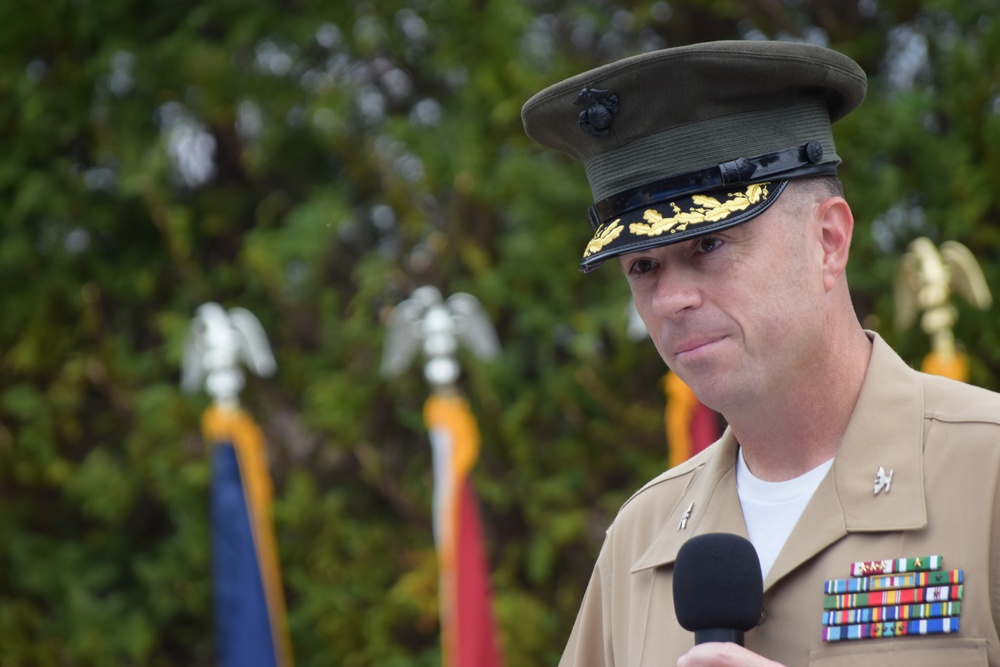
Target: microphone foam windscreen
x=717 y=583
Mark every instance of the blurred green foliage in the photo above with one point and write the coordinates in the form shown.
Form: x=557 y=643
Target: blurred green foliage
x=315 y=162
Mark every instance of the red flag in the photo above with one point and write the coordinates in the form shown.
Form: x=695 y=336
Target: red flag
x=469 y=637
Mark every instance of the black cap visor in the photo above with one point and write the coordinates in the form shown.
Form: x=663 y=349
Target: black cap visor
x=684 y=218
x=696 y=203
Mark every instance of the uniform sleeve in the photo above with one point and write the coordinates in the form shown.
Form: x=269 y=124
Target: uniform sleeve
x=590 y=642
x=994 y=573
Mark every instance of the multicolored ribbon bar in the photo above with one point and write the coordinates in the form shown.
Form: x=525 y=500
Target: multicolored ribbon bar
x=893 y=597
x=896 y=566
x=888 y=582
x=933 y=626
x=895 y=613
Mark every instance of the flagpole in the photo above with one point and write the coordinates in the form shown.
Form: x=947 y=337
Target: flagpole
x=250 y=614
x=427 y=322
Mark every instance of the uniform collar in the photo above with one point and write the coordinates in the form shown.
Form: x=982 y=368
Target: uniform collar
x=885 y=430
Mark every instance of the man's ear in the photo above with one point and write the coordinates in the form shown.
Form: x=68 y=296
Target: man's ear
x=836 y=228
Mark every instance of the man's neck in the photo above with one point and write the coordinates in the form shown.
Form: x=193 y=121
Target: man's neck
x=793 y=434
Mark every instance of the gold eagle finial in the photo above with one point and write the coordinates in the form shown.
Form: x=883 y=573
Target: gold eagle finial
x=927 y=279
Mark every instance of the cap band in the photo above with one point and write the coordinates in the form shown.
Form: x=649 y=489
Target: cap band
x=791 y=162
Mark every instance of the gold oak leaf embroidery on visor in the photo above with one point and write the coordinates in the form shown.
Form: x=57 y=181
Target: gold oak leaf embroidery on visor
x=704 y=209
x=603 y=237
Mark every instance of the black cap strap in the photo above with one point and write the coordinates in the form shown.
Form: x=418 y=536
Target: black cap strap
x=791 y=162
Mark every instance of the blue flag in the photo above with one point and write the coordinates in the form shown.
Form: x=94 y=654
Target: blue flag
x=249 y=603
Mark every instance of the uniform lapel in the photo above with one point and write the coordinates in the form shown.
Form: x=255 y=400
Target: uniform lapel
x=885 y=431
x=714 y=507
x=710 y=504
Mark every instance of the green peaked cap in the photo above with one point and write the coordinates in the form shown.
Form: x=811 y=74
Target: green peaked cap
x=685 y=141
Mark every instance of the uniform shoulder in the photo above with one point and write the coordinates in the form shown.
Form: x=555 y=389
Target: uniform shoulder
x=953 y=401
x=660 y=494
x=642 y=517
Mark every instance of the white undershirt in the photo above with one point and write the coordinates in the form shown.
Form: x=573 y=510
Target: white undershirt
x=771 y=509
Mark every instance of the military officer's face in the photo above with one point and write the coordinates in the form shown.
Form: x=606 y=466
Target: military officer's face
x=736 y=314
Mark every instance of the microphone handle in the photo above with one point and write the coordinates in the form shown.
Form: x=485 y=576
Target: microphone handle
x=730 y=635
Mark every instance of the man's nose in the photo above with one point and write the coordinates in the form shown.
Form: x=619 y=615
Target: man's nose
x=676 y=291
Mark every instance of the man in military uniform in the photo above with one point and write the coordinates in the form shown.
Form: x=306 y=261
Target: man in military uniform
x=713 y=169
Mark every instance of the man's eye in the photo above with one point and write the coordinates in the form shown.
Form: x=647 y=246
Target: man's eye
x=707 y=244
x=640 y=267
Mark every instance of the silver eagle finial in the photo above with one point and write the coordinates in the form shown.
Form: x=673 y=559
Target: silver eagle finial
x=925 y=282
x=218 y=344
x=427 y=321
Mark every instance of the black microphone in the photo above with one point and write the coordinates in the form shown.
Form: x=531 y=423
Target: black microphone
x=718 y=590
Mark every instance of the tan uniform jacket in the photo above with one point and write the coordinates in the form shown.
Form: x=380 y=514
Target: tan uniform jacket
x=940 y=439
